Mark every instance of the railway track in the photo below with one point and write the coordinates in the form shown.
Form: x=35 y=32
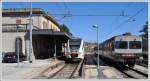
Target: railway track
x=66 y=72
x=138 y=72
x=133 y=73
x=144 y=65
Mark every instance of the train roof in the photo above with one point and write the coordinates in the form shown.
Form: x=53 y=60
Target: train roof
x=130 y=36
x=72 y=38
x=122 y=36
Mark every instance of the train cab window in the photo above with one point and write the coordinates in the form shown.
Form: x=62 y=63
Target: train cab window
x=135 y=44
x=74 y=47
x=121 y=45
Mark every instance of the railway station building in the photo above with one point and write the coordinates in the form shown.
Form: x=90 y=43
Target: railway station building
x=46 y=36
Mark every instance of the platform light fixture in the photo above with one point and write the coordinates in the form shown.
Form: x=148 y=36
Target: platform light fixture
x=97 y=28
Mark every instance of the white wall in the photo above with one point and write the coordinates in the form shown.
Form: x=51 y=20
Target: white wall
x=24 y=20
x=8 y=41
x=37 y=21
x=12 y=20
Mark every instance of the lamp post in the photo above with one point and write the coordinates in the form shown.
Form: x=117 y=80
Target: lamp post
x=30 y=40
x=17 y=46
x=55 y=48
x=96 y=26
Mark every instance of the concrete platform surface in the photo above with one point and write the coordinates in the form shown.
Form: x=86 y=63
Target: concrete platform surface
x=26 y=70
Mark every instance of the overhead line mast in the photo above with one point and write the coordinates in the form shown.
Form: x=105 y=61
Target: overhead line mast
x=124 y=22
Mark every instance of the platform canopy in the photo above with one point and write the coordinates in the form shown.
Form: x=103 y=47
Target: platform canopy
x=48 y=33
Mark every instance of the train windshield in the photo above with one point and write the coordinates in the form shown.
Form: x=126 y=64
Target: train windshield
x=135 y=44
x=75 y=44
x=74 y=47
x=121 y=45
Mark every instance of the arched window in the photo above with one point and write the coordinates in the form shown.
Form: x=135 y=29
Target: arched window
x=45 y=25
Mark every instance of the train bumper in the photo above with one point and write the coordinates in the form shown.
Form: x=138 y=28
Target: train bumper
x=76 y=59
x=73 y=55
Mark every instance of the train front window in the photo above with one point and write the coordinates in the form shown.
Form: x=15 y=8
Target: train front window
x=135 y=44
x=75 y=44
x=74 y=47
x=121 y=45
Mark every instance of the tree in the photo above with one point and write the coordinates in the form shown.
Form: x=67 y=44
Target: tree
x=65 y=29
x=144 y=30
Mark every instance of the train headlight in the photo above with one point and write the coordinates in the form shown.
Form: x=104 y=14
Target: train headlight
x=68 y=56
x=141 y=58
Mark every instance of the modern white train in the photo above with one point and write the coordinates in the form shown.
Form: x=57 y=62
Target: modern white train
x=123 y=49
x=76 y=50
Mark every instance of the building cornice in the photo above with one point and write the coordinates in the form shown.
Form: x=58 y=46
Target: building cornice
x=26 y=11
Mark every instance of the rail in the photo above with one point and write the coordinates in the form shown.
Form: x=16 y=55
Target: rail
x=142 y=73
x=65 y=72
x=132 y=73
x=78 y=70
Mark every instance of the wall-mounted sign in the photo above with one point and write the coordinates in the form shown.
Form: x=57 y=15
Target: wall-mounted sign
x=18 y=21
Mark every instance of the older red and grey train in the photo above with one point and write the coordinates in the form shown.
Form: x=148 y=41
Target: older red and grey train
x=123 y=49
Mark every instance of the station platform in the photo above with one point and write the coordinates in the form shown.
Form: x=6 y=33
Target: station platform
x=26 y=70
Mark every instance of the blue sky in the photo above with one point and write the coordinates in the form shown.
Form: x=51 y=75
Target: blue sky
x=81 y=26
